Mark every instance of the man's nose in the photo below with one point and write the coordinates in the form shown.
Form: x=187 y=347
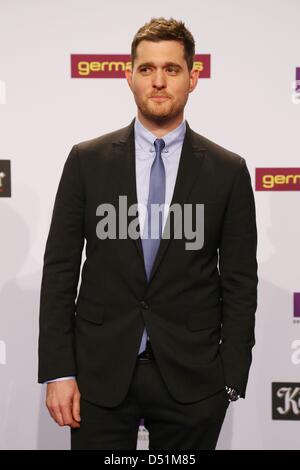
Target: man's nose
x=159 y=80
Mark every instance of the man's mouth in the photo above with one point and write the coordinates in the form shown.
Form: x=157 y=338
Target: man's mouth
x=159 y=98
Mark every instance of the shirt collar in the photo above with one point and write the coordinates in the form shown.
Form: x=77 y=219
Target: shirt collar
x=145 y=139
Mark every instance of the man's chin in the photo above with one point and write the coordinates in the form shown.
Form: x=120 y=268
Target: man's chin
x=158 y=115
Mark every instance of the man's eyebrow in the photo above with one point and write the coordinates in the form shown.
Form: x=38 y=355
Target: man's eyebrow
x=167 y=64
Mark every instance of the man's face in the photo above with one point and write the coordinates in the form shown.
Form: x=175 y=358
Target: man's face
x=160 y=80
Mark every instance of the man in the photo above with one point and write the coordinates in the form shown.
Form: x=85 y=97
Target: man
x=159 y=330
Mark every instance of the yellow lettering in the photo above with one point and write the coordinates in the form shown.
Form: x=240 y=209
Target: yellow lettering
x=83 y=68
x=95 y=66
x=104 y=64
x=279 y=179
x=294 y=178
x=198 y=66
x=268 y=181
x=115 y=65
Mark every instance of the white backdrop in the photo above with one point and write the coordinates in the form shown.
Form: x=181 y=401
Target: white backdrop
x=246 y=106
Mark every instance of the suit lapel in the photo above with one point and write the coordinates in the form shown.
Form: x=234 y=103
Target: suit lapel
x=125 y=178
x=124 y=174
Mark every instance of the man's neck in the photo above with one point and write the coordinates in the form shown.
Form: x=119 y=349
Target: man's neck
x=160 y=129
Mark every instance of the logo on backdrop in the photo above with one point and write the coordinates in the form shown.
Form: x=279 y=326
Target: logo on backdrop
x=295 y=357
x=277 y=179
x=2 y=92
x=285 y=401
x=2 y=353
x=5 y=184
x=296 y=310
x=114 y=65
x=296 y=87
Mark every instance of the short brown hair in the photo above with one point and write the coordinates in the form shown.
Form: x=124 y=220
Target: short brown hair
x=161 y=29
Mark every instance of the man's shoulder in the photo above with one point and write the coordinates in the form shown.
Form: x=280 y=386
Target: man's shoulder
x=101 y=141
x=215 y=152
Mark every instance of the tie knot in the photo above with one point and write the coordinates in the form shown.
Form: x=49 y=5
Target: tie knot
x=159 y=145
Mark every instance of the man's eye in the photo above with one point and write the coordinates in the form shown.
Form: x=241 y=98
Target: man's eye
x=169 y=69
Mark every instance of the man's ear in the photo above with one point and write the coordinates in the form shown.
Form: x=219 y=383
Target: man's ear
x=128 y=75
x=194 y=76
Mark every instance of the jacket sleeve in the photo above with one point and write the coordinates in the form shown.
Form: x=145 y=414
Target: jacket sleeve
x=238 y=275
x=62 y=261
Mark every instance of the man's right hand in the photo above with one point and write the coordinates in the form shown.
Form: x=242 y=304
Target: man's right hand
x=63 y=402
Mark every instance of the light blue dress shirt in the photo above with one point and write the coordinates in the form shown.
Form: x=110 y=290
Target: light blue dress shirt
x=144 y=157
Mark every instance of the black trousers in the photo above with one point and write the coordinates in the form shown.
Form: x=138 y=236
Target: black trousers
x=171 y=425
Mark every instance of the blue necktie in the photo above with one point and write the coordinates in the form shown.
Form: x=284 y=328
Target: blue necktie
x=157 y=189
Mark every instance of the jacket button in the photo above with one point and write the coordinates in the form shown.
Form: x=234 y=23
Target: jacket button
x=144 y=304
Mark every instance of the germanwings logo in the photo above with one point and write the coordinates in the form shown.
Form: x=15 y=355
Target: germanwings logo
x=277 y=179
x=114 y=65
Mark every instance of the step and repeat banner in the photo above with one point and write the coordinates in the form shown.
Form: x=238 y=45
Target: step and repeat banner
x=62 y=81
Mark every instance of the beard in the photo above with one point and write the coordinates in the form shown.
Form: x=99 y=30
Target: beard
x=160 y=112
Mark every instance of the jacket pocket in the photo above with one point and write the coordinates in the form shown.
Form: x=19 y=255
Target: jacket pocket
x=89 y=311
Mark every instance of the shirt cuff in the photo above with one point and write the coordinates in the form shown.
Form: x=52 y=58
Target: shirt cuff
x=60 y=379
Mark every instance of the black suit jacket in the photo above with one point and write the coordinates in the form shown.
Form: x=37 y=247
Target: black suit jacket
x=198 y=306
